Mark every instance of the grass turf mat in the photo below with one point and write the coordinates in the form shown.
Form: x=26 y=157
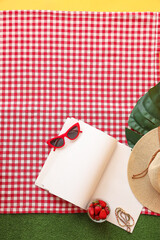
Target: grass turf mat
x=72 y=226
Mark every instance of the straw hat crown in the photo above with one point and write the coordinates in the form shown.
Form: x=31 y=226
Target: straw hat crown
x=154 y=173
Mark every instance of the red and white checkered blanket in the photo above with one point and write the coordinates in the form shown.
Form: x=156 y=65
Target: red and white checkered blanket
x=89 y=65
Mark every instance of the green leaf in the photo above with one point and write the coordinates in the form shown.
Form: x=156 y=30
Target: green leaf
x=145 y=116
x=155 y=95
x=132 y=137
x=146 y=113
x=151 y=102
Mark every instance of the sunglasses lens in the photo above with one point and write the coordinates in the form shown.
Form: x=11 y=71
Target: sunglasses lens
x=57 y=142
x=73 y=132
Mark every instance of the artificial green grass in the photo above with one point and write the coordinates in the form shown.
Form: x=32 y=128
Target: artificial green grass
x=72 y=226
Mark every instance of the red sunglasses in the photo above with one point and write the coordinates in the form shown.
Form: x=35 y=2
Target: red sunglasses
x=72 y=133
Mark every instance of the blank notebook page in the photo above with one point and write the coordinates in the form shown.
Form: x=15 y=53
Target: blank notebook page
x=76 y=168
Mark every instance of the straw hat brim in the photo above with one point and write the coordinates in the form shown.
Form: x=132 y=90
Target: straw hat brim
x=138 y=161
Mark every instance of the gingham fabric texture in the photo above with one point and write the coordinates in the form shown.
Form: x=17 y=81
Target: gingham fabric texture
x=53 y=65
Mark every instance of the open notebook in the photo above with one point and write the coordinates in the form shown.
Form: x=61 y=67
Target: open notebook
x=92 y=166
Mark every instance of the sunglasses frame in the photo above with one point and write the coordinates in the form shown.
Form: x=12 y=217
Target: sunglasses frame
x=65 y=135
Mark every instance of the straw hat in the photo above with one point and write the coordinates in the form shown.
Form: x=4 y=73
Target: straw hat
x=144 y=170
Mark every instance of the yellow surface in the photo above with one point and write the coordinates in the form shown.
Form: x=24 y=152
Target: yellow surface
x=83 y=5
